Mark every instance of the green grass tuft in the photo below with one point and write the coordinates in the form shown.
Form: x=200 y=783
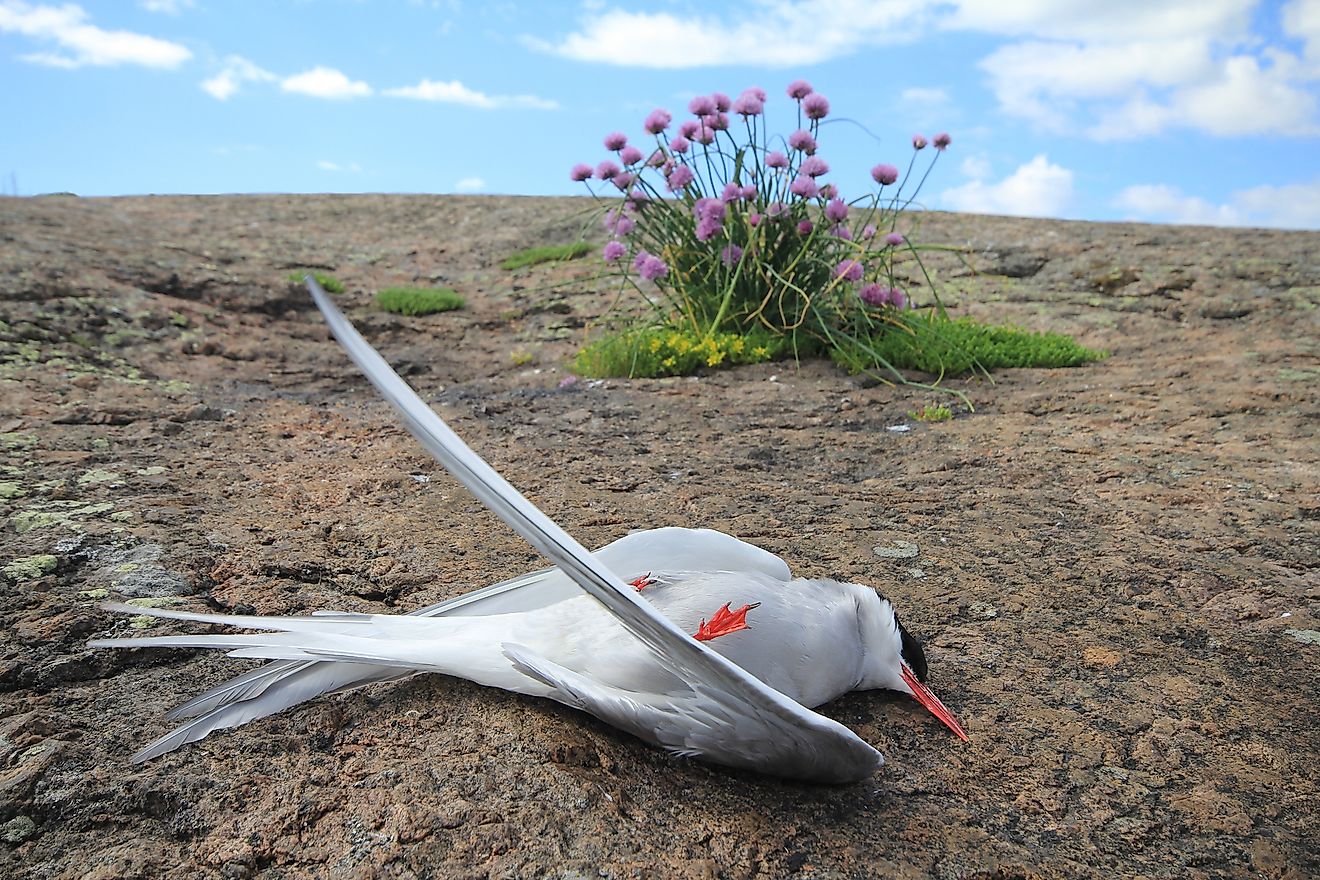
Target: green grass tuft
x=532 y=256
x=932 y=412
x=418 y=300
x=329 y=282
x=946 y=347
x=651 y=352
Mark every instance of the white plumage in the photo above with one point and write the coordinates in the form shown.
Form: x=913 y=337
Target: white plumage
x=581 y=634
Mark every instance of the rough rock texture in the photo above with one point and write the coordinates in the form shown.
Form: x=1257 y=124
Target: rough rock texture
x=1115 y=567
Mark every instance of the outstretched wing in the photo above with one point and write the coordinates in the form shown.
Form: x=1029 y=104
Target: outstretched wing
x=781 y=736
x=278 y=685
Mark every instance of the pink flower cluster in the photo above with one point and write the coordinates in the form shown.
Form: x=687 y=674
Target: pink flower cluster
x=710 y=218
x=650 y=266
x=732 y=212
x=877 y=295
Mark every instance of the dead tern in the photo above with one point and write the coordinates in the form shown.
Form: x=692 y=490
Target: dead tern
x=689 y=639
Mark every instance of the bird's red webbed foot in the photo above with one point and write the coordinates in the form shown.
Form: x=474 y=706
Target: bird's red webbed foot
x=642 y=582
x=723 y=622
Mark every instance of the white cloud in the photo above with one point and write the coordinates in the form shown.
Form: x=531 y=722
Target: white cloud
x=80 y=44
x=1109 y=69
x=229 y=80
x=1301 y=21
x=1245 y=99
x=325 y=82
x=454 y=92
x=1037 y=189
x=1290 y=206
x=168 y=7
x=1168 y=204
x=1091 y=71
x=1134 y=69
x=773 y=33
x=325 y=165
x=470 y=184
x=1104 y=20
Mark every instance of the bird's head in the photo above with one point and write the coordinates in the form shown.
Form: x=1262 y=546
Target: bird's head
x=897 y=661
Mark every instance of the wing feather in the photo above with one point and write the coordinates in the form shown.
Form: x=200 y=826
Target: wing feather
x=796 y=741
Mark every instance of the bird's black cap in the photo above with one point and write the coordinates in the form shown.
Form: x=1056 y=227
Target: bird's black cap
x=913 y=654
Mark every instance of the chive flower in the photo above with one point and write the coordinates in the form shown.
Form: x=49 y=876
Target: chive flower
x=581 y=171
x=657 y=121
x=804 y=186
x=815 y=106
x=941 y=140
x=773 y=159
x=615 y=140
x=649 y=266
x=873 y=294
x=606 y=170
x=701 y=105
x=836 y=210
x=750 y=103
x=813 y=166
x=799 y=89
x=679 y=178
x=884 y=174
x=630 y=155
x=918 y=142
x=802 y=141
x=848 y=270
x=614 y=251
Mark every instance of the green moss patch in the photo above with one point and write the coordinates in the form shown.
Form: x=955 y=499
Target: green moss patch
x=649 y=352
x=418 y=300
x=946 y=347
x=550 y=253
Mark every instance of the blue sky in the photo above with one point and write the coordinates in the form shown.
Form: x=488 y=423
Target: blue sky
x=1187 y=111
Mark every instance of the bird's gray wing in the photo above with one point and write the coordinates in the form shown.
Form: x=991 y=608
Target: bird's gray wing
x=787 y=739
x=278 y=685
x=284 y=683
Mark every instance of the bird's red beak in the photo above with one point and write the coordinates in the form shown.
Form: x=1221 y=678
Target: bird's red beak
x=923 y=695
